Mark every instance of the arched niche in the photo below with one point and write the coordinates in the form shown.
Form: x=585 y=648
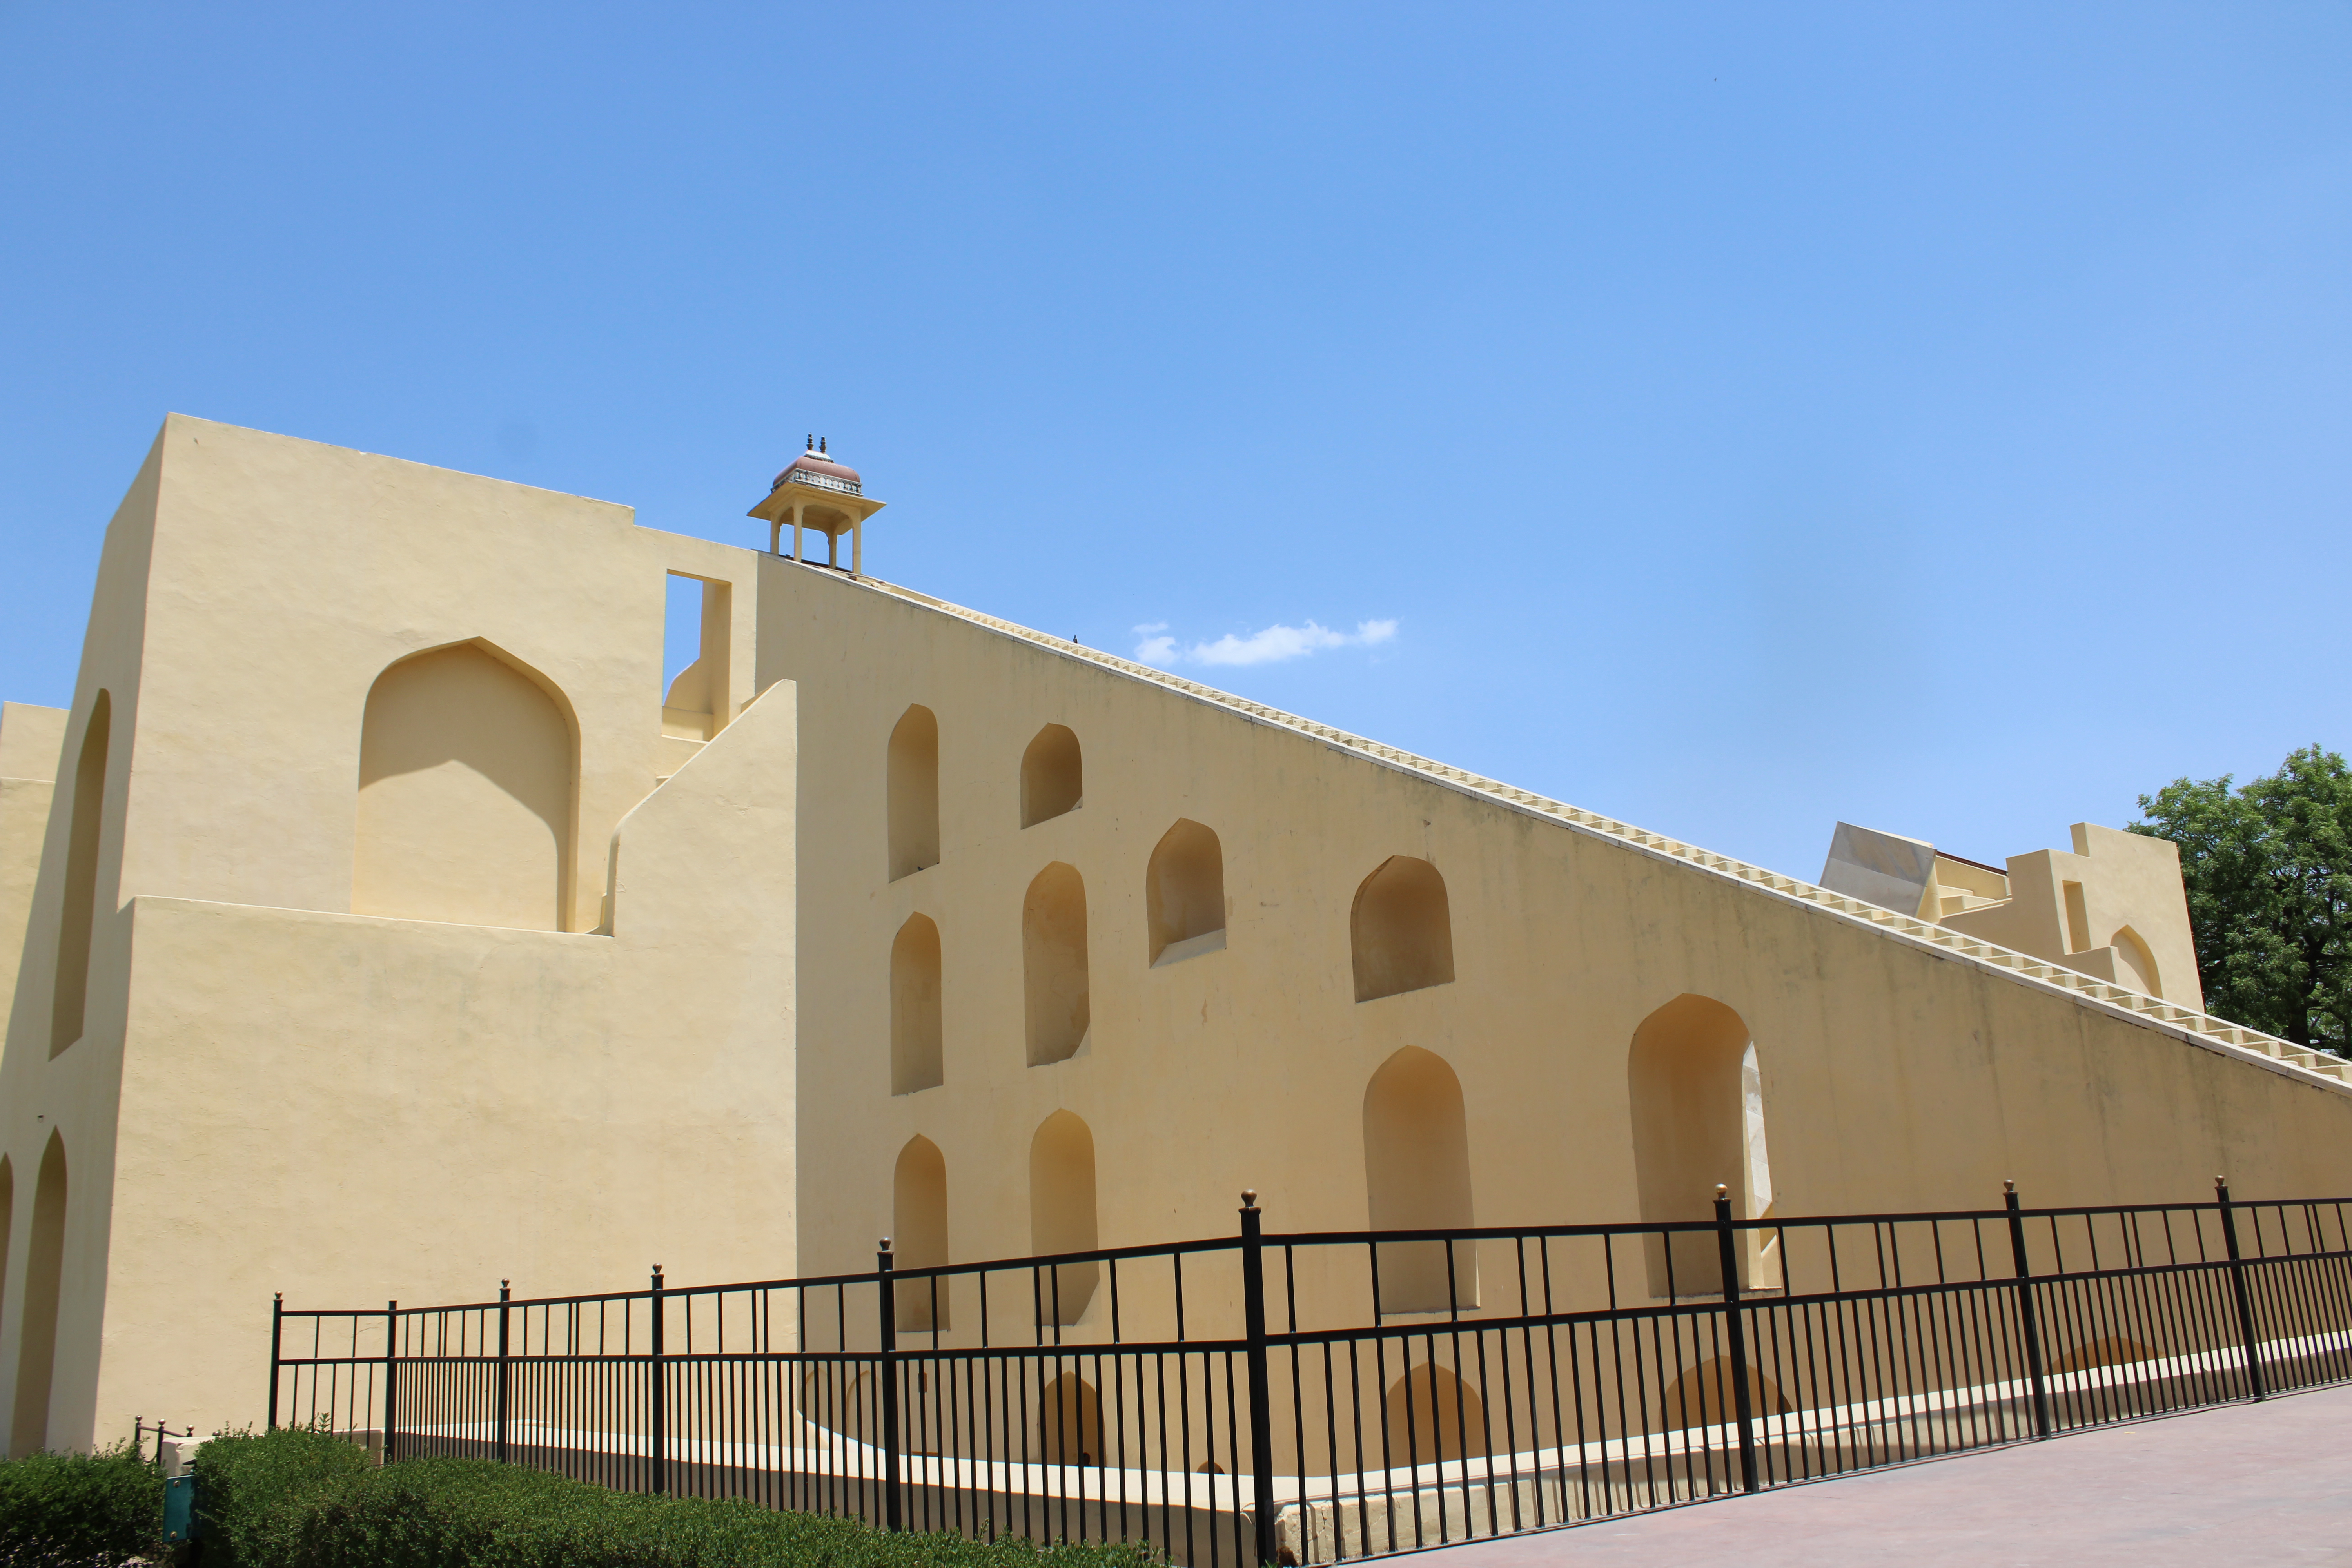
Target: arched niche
x=1070 y=1428
x=2138 y=963
x=1433 y=1416
x=36 y=1341
x=1184 y=894
x=468 y=764
x=1062 y=1212
x=1706 y=1396
x=1401 y=929
x=1053 y=775
x=913 y=791
x=7 y=1229
x=1054 y=965
x=915 y=1059
x=1417 y=1178
x=1697 y=1097
x=918 y=1232
x=78 y=916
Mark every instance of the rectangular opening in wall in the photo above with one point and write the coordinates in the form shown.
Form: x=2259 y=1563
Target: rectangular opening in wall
x=694 y=657
x=2078 y=920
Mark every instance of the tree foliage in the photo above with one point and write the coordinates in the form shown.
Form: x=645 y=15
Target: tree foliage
x=2268 y=869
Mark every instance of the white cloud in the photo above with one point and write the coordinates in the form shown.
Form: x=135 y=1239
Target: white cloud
x=1272 y=646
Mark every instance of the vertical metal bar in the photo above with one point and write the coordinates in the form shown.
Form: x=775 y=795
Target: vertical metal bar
x=886 y=1384
x=504 y=1293
x=1261 y=1414
x=2026 y=1323
x=391 y=1364
x=1736 y=1335
x=276 y=1321
x=660 y=1391
x=2238 y=1288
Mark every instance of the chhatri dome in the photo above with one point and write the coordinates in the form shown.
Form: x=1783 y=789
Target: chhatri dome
x=814 y=491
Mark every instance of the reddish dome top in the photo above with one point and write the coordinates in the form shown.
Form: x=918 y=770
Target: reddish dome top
x=816 y=467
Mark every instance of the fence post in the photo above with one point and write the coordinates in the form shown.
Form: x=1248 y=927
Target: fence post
x=2028 y=1324
x=1735 y=1333
x=660 y=1396
x=391 y=1364
x=504 y=1291
x=2238 y=1289
x=276 y=1321
x=886 y=1384
x=1261 y=1414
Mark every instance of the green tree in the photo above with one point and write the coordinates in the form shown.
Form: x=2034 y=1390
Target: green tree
x=2268 y=869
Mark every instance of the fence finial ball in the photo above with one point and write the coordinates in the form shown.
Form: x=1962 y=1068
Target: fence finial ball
x=1722 y=1189
x=885 y=1244
x=1249 y=1197
x=2221 y=1181
x=2008 y=1186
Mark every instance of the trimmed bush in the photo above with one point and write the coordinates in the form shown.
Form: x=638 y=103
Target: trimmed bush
x=99 y=1508
x=287 y=1502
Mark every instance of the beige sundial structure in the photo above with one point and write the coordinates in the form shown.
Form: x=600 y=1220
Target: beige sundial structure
x=814 y=491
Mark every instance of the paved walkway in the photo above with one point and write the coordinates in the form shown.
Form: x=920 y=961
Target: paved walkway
x=2244 y=1483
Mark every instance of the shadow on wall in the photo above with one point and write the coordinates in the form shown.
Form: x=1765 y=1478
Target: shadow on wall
x=1054 y=965
x=1433 y=1416
x=913 y=791
x=80 y=913
x=36 y=1349
x=915 y=1031
x=1417 y=1178
x=919 y=1233
x=1688 y=1077
x=1062 y=1212
x=467 y=764
x=1702 y=1396
x=1401 y=929
x=1184 y=894
x=1053 y=775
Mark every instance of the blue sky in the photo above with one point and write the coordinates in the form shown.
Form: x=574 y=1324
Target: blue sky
x=1731 y=418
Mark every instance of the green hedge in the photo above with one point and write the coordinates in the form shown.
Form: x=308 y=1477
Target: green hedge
x=61 y=1509
x=307 y=1500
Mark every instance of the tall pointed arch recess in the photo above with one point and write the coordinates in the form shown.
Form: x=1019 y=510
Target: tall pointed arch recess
x=1401 y=930
x=1062 y=1216
x=1056 y=993
x=7 y=1230
x=1696 y=1098
x=918 y=1232
x=84 y=823
x=911 y=792
x=1053 y=775
x=36 y=1341
x=916 y=1054
x=2132 y=956
x=469 y=762
x=1184 y=893
x=1417 y=1178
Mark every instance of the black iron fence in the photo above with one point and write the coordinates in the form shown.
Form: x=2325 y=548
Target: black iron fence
x=1318 y=1397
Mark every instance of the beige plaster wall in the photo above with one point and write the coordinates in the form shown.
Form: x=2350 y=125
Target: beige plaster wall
x=1893 y=1076
x=480 y=1101
x=31 y=739
x=2128 y=881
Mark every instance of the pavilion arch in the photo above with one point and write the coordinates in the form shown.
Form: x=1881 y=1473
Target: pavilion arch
x=918 y=1231
x=1433 y=1416
x=1401 y=929
x=913 y=791
x=37 y=1339
x=85 y=824
x=469 y=763
x=916 y=1057
x=1062 y=1212
x=1053 y=775
x=1417 y=1178
x=1696 y=1096
x=2133 y=957
x=1184 y=893
x=1055 y=985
